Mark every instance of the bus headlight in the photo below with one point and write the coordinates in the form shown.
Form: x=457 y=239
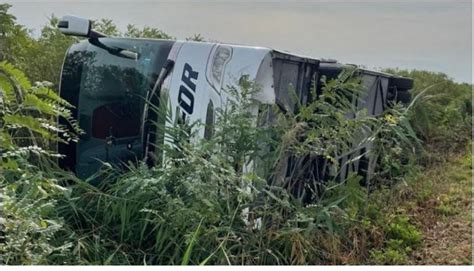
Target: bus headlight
x=215 y=70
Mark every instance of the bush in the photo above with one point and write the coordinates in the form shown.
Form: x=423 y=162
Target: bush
x=442 y=118
x=29 y=181
x=401 y=238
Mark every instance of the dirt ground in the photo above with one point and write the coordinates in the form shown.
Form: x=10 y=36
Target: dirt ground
x=444 y=214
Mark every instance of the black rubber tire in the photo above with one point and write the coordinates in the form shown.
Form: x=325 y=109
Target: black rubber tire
x=404 y=97
x=401 y=83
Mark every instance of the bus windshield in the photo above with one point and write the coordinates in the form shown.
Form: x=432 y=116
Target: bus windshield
x=109 y=93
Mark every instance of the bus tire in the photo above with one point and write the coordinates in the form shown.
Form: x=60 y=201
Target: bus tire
x=402 y=83
x=404 y=97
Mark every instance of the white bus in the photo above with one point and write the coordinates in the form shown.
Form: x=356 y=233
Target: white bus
x=108 y=80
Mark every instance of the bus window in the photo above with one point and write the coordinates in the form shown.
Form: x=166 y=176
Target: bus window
x=286 y=83
x=209 y=126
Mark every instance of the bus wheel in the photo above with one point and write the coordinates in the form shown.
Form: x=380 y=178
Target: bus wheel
x=402 y=83
x=404 y=97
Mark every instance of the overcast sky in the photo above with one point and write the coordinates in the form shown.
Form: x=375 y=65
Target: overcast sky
x=432 y=35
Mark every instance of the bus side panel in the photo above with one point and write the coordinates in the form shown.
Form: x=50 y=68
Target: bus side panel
x=375 y=100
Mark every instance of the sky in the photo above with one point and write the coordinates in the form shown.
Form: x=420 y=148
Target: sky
x=433 y=35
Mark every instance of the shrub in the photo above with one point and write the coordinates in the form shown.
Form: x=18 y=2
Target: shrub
x=29 y=180
x=442 y=118
x=401 y=237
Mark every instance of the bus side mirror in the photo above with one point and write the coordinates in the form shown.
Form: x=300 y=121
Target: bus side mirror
x=76 y=26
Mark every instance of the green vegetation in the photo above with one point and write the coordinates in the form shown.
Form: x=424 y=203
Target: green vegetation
x=41 y=58
x=442 y=210
x=214 y=212
x=444 y=115
x=30 y=181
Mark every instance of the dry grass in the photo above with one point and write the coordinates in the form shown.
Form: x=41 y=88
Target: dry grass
x=443 y=212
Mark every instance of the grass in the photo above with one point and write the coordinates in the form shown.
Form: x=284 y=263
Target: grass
x=433 y=215
x=446 y=217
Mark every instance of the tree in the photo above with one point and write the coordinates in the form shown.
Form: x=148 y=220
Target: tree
x=196 y=37
x=41 y=59
x=7 y=21
x=46 y=58
x=14 y=38
x=146 y=32
x=107 y=27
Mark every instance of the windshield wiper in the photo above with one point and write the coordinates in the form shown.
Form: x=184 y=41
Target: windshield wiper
x=150 y=116
x=121 y=52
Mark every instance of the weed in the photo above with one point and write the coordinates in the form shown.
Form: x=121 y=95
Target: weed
x=401 y=238
x=389 y=256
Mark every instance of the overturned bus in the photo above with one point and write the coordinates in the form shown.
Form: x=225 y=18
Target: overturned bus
x=111 y=81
